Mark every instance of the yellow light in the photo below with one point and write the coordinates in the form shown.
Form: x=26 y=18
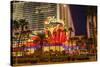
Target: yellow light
x=64 y=5
x=29 y=40
x=46 y=22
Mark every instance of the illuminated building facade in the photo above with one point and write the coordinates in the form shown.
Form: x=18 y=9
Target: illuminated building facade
x=36 y=13
x=92 y=23
x=65 y=15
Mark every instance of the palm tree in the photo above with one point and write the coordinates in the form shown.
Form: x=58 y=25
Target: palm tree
x=70 y=30
x=23 y=24
x=41 y=34
x=14 y=26
x=70 y=34
x=20 y=25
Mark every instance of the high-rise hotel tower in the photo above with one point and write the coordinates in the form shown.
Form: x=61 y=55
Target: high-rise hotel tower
x=36 y=13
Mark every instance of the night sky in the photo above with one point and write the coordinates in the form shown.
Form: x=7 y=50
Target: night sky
x=79 y=19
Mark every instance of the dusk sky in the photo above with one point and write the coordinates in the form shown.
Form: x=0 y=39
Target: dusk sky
x=79 y=19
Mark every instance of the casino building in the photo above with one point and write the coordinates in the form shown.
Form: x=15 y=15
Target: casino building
x=36 y=13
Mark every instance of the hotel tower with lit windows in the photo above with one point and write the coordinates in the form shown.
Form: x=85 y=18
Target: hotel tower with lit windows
x=36 y=13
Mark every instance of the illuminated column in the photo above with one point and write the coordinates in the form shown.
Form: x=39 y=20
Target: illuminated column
x=88 y=31
x=58 y=8
x=65 y=15
x=91 y=26
x=94 y=20
x=95 y=26
x=70 y=21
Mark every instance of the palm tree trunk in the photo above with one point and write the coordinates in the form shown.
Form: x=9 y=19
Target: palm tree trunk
x=20 y=36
